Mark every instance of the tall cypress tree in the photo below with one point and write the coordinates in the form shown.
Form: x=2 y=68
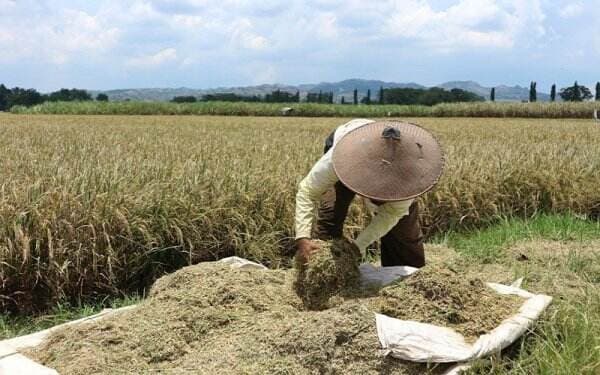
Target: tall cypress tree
x=532 y=92
x=320 y=97
x=597 y=91
x=553 y=93
x=577 y=95
x=368 y=101
x=493 y=94
x=343 y=101
x=355 y=96
x=4 y=96
x=381 y=95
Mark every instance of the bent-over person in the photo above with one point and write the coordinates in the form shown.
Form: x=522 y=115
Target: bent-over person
x=389 y=164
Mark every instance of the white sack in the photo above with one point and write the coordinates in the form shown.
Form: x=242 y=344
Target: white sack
x=241 y=263
x=384 y=275
x=421 y=342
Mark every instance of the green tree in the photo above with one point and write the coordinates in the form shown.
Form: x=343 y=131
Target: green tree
x=343 y=100
x=575 y=93
x=368 y=101
x=66 y=95
x=597 y=91
x=355 y=96
x=101 y=98
x=184 y=99
x=26 y=97
x=381 y=95
x=312 y=97
x=229 y=97
x=4 y=94
x=533 y=92
x=297 y=96
x=553 y=93
x=279 y=96
x=493 y=94
x=432 y=96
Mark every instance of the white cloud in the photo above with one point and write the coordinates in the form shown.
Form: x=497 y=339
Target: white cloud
x=571 y=10
x=188 y=21
x=295 y=40
x=243 y=35
x=153 y=60
x=470 y=23
x=7 y=4
x=57 y=38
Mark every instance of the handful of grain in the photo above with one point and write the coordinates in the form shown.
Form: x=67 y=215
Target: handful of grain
x=329 y=270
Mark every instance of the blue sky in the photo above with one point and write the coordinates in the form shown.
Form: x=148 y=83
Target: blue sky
x=205 y=43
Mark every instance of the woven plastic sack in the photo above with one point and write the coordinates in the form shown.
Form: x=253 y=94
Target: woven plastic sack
x=421 y=342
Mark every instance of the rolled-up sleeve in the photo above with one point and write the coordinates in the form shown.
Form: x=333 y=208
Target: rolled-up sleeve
x=387 y=215
x=320 y=178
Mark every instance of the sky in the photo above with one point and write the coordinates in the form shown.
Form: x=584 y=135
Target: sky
x=115 y=44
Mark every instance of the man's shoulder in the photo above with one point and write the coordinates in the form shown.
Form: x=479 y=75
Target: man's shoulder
x=349 y=126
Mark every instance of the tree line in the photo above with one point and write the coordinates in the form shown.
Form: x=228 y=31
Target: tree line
x=30 y=97
x=403 y=96
x=407 y=96
x=575 y=93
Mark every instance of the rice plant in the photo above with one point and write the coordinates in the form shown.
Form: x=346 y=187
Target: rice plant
x=102 y=205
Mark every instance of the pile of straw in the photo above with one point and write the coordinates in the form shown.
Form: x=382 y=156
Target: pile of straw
x=209 y=318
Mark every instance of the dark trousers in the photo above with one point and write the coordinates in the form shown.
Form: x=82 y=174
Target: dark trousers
x=401 y=246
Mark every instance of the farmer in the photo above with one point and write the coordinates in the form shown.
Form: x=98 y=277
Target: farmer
x=389 y=164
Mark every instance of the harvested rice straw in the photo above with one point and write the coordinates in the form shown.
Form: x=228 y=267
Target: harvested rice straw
x=329 y=270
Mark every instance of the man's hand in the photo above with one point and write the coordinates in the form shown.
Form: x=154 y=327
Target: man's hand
x=304 y=248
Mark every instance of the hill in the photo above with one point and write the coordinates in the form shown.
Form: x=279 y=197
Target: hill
x=342 y=88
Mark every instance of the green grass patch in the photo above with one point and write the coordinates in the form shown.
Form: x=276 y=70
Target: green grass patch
x=566 y=341
x=486 y=244
x=18 y=325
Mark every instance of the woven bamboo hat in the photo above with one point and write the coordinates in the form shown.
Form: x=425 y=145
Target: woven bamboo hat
x=388 y=160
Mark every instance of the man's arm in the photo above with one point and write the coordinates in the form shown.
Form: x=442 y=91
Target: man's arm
x=388 y=215
x=320 y=178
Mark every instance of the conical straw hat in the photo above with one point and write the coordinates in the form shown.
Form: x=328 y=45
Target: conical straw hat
x=388 y=160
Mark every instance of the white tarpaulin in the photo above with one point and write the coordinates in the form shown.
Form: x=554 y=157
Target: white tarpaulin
x=421 y=342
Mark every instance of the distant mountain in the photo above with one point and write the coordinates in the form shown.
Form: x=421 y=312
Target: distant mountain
x=346 y=88
x=164 y=95
x=343 y=88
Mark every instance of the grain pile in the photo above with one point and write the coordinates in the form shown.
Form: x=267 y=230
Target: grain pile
x=441 y=296
x=329 y=271
x=210 y=318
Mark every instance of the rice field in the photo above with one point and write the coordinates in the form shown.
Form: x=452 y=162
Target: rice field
x=92 y=206
x=582 y=110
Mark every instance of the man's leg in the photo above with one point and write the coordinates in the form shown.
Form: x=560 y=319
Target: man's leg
x=403 y=244
x=332 y=212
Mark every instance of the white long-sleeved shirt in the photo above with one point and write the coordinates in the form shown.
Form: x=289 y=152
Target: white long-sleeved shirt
x=322 y=177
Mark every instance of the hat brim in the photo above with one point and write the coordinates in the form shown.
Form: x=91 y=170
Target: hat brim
x=385 y=169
